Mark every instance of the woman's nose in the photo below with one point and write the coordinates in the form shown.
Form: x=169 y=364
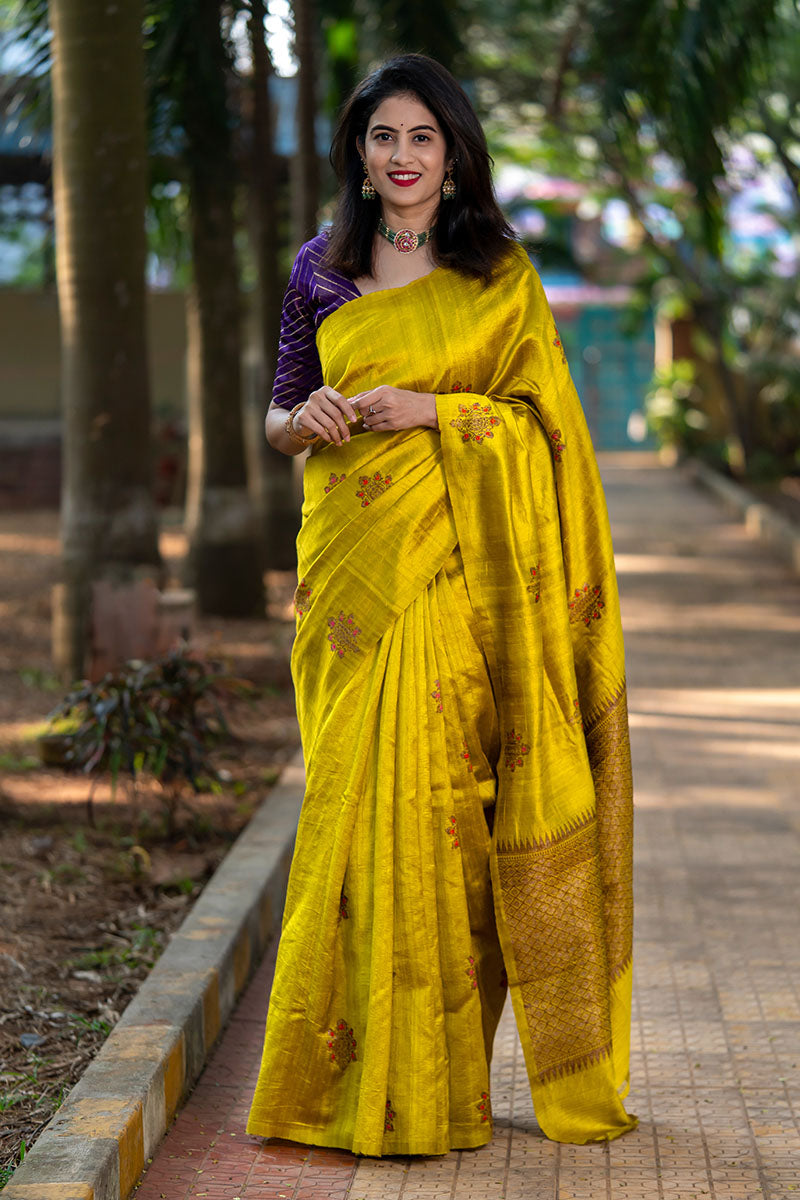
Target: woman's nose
x=403 y=151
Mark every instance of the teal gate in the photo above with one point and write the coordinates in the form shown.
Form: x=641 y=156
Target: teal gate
x=612 y=371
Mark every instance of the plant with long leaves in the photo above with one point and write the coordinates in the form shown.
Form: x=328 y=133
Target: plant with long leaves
x=160 y=718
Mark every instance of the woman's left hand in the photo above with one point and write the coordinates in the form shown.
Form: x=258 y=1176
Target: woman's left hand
x=386 y=408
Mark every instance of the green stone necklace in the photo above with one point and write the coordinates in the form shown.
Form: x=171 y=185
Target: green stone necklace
x=405 y=241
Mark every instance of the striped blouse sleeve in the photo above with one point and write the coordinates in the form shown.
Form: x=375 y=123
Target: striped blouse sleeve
x=298 y=371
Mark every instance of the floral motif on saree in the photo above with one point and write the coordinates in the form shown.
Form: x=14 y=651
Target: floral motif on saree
x=342 y=1045
x=534 y=587
x=476 y=422
x=586 y=605
x=333 y=481
x=515 y=750
x=302 y=598
x=438 y=572
x=558 y=446
x=372 y=486
x=343 y=634
x=471 y=971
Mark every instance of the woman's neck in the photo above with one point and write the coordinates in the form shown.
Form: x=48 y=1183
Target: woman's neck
x=418 y=218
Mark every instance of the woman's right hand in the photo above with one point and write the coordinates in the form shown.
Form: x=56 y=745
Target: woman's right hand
x=327 y=413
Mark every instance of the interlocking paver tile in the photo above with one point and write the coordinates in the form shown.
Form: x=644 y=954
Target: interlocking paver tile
x=712 y=631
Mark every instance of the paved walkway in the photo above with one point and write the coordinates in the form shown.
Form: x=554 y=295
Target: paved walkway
x=713 y=635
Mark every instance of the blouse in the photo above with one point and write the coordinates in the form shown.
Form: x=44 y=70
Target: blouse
x=314 y=291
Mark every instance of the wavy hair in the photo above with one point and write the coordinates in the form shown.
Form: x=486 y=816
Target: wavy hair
x=471 y=233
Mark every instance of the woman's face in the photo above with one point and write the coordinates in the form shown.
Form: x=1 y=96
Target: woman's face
x=406 y=154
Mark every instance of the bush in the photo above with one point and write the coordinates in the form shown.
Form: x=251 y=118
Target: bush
x=158 y=718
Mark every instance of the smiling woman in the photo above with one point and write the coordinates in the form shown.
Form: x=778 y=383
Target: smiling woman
x=466 y=827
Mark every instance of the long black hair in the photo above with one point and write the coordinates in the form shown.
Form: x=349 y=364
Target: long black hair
x=471 y=233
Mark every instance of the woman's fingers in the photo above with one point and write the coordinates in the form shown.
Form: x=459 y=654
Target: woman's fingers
x=338 y=424
x=326 y=412
x=366 y=400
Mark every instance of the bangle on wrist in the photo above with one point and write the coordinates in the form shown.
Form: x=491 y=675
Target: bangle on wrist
x=301 y=439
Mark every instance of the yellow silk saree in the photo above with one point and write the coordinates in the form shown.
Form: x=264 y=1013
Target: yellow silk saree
x=467 y=824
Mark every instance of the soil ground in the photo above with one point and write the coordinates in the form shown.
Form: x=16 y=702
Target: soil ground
x=85 y=909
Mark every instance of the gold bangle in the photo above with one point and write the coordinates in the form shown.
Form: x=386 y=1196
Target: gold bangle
x=293 y=434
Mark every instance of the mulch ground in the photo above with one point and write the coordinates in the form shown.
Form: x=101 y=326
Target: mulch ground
x=86 y=908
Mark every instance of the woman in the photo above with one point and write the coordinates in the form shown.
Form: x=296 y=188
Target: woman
x=466 y=828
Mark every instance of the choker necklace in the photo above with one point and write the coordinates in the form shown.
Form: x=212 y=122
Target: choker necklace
x=405 y=241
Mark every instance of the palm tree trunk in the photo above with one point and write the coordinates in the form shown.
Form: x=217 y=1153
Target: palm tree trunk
x=277 y=500
x=305 y=165
x=109 y=521
x=224 y=551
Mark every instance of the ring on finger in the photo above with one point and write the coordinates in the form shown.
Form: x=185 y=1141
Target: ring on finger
x=371 y=411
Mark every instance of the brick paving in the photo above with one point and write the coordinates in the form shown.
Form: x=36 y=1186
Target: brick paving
x=713 y=634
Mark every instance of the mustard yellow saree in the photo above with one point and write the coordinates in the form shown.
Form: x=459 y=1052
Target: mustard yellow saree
x=467 y=824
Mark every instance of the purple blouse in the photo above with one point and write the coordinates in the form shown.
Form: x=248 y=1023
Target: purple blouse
x=313 y=293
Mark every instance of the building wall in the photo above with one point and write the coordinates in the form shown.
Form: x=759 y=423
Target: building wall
x=29 y=354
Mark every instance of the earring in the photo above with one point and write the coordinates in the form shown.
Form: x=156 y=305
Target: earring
x=367 y=187
x=448 y=187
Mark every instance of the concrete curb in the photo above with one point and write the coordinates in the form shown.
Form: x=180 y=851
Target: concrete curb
x=97 y=1144
x=760 y=520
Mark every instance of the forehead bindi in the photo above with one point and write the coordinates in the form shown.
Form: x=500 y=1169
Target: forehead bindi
x=403 y=113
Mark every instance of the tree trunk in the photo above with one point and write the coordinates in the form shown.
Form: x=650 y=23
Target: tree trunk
x=224 y=550
x=305 y=165
x=278 y=505
x=109 y=521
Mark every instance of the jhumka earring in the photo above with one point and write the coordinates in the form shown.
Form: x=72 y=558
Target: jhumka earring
x=367 y=187
x=448 y=187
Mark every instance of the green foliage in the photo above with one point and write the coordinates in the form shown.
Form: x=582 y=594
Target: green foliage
x=18 y=762
x=673 y=407
x=143 y=947
x=690 y=63
x=7 y=1172
x=656 y=103
x=35 y=677
x=159 y=718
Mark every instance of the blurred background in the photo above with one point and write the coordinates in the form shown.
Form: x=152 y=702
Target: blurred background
x=160 y=165
x=648 y=153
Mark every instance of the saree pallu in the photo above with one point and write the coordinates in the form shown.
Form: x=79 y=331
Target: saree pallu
x=467 y=824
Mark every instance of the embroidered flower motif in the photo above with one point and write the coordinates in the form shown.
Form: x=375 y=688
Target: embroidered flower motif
x=302 y=597
x=344 y=915
x=342 y=1045
x=586 y=605
x=388 y=1123
x=471 y=971
x=373 y=486
x=333 y=481
x=453 y=832
x=437 y=695
x=343 y=634
x=465 y=754
x=533 y=586
x=475 y=423
x=558 y=445
x=458 y=386
x=483 y=1106
x=515 y=750
x=558 y=346
x=576 y=718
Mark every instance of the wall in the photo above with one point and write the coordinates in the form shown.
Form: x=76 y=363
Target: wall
x=29 y=353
